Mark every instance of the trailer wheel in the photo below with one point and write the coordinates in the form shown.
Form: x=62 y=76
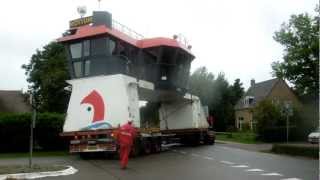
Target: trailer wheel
x=157 y=146
x=136 y=149
x=147 y=147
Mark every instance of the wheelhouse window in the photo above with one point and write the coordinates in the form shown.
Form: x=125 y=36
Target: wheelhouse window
x=76 y=50
x=77 y=67
x=87 y=67
x=99 y=46
x=112 y=47
x=86 y=48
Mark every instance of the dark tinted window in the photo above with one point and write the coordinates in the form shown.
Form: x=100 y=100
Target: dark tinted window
x=99 y=46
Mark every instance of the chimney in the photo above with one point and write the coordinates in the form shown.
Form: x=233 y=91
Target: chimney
x=252 y=82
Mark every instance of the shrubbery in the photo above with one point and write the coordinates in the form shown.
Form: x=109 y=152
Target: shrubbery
x=15 y=131
x=271 y=123
x=297 y=150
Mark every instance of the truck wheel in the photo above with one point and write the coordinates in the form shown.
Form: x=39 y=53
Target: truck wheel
x=210 y=141
x=195 y=139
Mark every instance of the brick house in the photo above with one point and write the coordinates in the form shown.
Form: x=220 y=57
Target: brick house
x=13 y=101
x=275 y=90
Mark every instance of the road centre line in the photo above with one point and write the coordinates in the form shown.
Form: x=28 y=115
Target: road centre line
x=182 y=152
x=254 y=170
x=207 y=157
x=227 y=162
x=271 y=174
x=240 y=166
x=195 y=155
x=291 y=179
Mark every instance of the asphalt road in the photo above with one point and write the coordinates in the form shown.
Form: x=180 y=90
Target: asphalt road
x=218 y=162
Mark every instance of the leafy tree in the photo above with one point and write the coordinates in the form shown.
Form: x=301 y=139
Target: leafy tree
x=300 y=38
x=237 y=90
x=47 y=74
x=201 y=83
x=217 y=94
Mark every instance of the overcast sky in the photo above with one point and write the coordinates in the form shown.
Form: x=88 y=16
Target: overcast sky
x=230 y=36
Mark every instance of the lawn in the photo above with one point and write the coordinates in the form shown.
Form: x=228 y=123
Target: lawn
x=35 y=154
x=240 y=137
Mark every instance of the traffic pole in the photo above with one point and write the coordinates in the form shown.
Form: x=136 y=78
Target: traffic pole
x=32 y=126
x=287 y=128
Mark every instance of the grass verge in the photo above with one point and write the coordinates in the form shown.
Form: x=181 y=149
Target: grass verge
x=296 y=150
x=35 y=154
x=14 y=169
x=240 y=137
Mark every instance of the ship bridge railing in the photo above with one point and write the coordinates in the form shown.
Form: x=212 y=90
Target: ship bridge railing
x=126 y=30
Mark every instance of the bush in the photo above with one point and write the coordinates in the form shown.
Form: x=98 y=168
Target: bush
x=296 y=150
x=271 y=123
x=15 y=131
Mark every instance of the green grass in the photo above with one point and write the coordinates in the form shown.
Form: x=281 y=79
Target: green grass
x=35 y=154
x=239 y=137
x=13 y=169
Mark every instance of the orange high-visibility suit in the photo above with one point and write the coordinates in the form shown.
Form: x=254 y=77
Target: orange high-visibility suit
x=126 y=137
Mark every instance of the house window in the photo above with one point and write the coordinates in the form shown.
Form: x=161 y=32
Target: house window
x=248 y=100
x=76 y=50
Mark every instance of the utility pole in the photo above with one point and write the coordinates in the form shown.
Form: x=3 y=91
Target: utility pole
x=32 y=126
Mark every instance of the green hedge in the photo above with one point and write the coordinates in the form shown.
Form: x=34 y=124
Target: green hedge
x=296 y=150
x=15 y=132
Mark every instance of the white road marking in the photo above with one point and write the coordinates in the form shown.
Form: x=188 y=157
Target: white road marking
x=195 y=155
x=227 y=162
x=174 y=150
x=207 y=157
x=271 y=174
x=240 y=166
x=292 y=179
x=182 y=152
x=254 y=170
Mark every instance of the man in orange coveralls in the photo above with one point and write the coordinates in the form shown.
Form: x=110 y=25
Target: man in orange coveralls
x=126 y=136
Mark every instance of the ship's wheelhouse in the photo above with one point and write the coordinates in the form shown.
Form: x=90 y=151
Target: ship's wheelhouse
x=101 y=49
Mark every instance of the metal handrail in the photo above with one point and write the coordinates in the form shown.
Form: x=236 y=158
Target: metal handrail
x=126 y=30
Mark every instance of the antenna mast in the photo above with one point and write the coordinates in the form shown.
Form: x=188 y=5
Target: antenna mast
x=99 y=2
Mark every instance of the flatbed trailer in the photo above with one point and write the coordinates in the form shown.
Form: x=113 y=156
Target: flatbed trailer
x=147 y=141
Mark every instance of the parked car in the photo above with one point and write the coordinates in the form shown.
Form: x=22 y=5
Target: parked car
x=313 y=137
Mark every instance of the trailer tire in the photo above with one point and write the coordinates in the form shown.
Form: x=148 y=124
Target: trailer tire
x=136 y=149
x=147 y=146
x=157 y=146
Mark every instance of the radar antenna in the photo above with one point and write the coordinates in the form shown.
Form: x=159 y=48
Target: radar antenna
x=82 y=10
